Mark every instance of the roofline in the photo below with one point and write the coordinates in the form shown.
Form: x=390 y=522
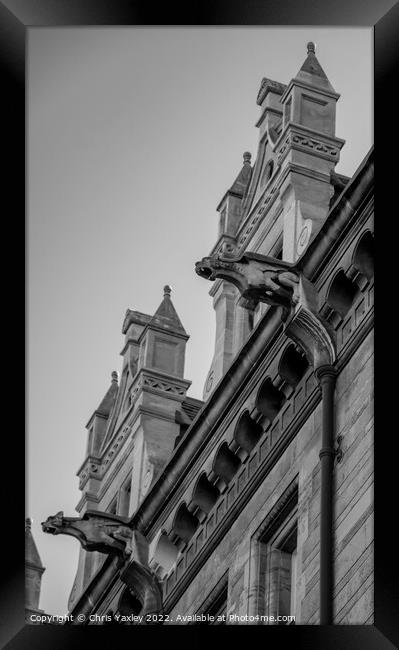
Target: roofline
x=313 y=258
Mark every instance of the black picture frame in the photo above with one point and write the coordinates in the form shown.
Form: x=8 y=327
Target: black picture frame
x=16 y=17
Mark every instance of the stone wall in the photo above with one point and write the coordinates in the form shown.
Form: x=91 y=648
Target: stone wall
x=236 y=554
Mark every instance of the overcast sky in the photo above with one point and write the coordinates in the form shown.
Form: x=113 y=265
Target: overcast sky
x=134 y=135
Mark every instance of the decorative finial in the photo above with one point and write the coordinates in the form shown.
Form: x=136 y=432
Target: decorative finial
x=114 y=376
x=28 y=523
x=247 y=157
x=311 y=48
x=167 y=290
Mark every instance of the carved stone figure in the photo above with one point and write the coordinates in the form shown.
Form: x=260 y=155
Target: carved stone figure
x=259 y=278
x=101 y=531
x=96 y=531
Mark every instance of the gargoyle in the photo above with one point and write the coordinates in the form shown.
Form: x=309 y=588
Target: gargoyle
x=101 y=531
x=259 y=278
x=96 y=531
x=265 y=279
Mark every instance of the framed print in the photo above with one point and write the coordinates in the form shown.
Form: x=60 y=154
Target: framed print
x=198 y=192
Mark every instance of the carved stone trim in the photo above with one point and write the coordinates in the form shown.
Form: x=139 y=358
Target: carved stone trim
x=308 y=144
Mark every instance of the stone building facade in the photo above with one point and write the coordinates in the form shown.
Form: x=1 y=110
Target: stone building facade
x=255 y=504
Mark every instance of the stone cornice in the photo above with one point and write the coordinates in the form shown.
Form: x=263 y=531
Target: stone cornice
x=267 y=86
x=267 y=110
x=237 y=195
x=128 y=343
x=296 y=136
x=319 y=90
x=152 y=326
x=95 y=414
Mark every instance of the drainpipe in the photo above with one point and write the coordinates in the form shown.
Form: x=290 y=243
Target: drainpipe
x=326 y=376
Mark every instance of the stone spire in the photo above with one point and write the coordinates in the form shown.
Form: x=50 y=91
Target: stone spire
x=108 y=400
x=307 y=152
x=34 y=570
x=311 y=71
x=241 y=182
x=166 y=315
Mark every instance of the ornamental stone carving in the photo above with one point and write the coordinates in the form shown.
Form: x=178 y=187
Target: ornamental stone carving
x=96 y=531
x=110 y=534
x=260 y=278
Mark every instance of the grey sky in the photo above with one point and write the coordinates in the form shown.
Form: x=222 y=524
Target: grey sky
x=134 y=135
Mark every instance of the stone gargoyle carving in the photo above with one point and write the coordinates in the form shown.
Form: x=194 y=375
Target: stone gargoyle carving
x=260 y=278
x=96 y=531
x=257 y=277
x=110 y=534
